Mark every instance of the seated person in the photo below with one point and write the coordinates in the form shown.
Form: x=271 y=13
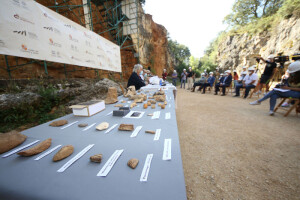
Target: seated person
x=210 y=82
x=292 y=90
x=226 y=82
x=200 y=82
x=250 y=81
x=242 y=76
x=135 y=79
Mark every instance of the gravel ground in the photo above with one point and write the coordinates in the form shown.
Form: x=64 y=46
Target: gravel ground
x=232 y=150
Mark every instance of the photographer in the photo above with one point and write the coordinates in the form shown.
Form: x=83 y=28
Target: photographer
x=268 y=73
x=292 y=90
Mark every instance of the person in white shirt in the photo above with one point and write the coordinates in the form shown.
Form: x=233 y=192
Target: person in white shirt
x=250 y=81
x=242 y=76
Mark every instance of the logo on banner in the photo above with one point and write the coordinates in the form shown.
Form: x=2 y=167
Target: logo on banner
x=51 y=42
x=2 y=43
x=55 y=30
x=22 y=18
x=25 y=49
x=87 y=52
x=70 y=26
x=75 y=58
x=72 y=39
x=26 y=33
x=87 y=43
x=49 y=17
x=74 y=48
x=87 y=35
x=55 y=54
x=21 y=4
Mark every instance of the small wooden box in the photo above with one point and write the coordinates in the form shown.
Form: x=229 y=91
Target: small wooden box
x=88 y=108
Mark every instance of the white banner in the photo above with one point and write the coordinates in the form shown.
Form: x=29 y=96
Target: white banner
x=30 y=30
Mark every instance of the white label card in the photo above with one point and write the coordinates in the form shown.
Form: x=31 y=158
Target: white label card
x=156 y=115
x=19 y=149
x=167 y=149
x=146 y=168
x=168 y=115
x=47 y=152
x=75 y=158
x=111 y=128
x=136 y=131
x=69 y=125
x=157 y=134
x=109 y=113
x=110 y=163
x=90 y=126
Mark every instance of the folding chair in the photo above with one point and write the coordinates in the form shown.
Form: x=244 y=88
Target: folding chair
x=297 y=103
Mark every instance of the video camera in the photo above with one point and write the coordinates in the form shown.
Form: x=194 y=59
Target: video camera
x=296 y=56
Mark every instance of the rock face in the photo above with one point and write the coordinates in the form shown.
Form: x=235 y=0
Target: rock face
x=153 y=45
x=236 y=51
x=19 y=99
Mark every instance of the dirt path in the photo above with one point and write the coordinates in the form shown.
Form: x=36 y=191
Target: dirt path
x=231 y=150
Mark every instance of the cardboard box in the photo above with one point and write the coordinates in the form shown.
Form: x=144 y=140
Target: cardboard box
x=88 y=108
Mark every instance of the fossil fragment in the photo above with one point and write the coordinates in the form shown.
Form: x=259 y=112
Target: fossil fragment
x=63 y=153
x=149 y=103
x=153 y=106
x=37 y=148
x=132 y=163
x=150 y=97
x=130 y=91
x=10 y=140
x=141 y=100
x=163 y=106
x=152 y=101
x=102 y=126
x=112 y=96
x=118 y=105
x=133 y=105
x=159 y=104
x=123 y=101
x=165 y=102
x=59 y=123
x=96 y=158
x=145 y=106
x=126 y=127
x=160 y=98
x=82 y=125
x=148 y=131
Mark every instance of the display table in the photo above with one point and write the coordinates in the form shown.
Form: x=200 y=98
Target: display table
x=26 y=178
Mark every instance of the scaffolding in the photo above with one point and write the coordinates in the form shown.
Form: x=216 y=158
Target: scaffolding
x=116 y=20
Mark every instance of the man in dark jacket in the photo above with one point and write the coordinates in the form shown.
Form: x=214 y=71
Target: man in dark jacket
x=135 y=78
x=210 y=82
x=226 y=82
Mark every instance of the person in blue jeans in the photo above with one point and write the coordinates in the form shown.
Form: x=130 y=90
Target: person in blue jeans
x=183 y=78
x=250 y=81
x=292 y=90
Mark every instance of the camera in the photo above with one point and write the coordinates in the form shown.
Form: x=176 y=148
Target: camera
x=296 y=56
x=281 y=59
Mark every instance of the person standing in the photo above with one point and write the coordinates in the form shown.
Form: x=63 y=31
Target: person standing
x=174 y=77
x=164 y=75
x=190 y=78
x=268 y=73
x=235 y=78
x=183 y=78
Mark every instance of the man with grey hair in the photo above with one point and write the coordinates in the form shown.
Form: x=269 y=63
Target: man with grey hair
x=135 y=78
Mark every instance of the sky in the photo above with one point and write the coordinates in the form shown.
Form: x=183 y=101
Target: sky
x=193 y=23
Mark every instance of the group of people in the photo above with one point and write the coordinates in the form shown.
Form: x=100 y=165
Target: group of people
x=248 y=79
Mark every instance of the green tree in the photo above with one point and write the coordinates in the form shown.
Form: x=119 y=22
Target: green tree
x=245 y=11
x=194 y=62
x=179 y=51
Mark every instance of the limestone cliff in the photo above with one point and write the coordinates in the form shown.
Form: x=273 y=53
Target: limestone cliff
x=153 y=45
x=238 y=50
